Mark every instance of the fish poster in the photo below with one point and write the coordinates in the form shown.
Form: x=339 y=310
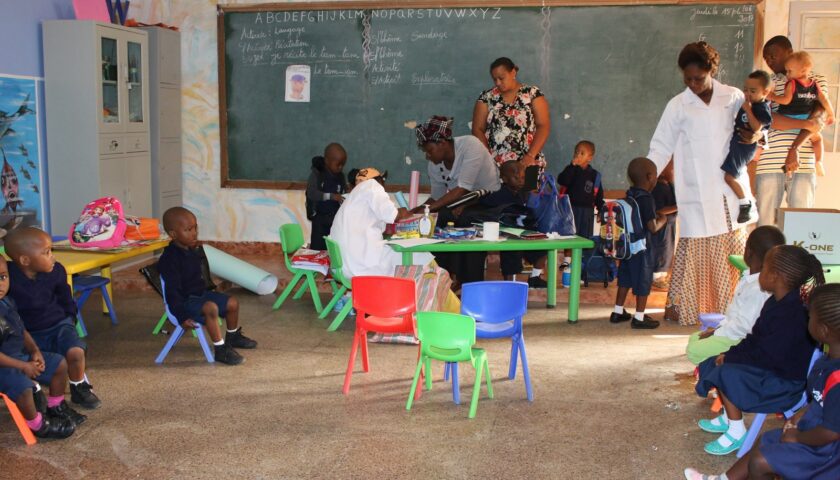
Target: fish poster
x=21 y=178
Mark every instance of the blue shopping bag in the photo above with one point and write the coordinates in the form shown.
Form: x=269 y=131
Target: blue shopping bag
x=551 y=208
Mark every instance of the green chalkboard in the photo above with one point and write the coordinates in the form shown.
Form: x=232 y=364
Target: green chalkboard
x=607 y=73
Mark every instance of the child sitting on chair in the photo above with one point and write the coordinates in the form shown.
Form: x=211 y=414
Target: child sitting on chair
x=45 y=303
x=22 y=363
x=766 y=371
x=808 y=446
x=185 y=288
x=746 y=302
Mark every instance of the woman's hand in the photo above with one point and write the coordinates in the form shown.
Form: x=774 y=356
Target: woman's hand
x=338 y=198
x=748 y=136
x=707 y=333
x=528 y=160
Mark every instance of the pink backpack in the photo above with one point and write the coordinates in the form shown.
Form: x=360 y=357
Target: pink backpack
x=101 y=225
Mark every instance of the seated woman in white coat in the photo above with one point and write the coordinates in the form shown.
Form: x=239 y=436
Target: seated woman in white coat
x=359 y=224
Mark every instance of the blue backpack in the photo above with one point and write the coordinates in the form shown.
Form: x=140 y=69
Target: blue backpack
x=622 y=232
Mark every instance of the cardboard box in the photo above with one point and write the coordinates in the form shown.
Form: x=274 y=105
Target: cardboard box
x=814 y=229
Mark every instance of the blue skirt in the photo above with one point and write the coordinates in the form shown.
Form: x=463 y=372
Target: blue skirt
x=794 y=461
x=750 y=388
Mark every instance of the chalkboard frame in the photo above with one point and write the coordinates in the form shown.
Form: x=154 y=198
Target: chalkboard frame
x=222 y=9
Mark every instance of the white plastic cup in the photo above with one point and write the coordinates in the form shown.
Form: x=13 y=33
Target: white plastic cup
x=491 y=231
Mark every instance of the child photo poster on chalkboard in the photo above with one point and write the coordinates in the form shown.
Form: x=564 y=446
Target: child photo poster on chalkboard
x=297 y=83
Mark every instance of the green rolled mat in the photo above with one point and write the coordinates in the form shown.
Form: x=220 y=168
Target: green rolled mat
x=241 y=273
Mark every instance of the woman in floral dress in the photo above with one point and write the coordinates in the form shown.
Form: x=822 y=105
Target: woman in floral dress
x=512 y=119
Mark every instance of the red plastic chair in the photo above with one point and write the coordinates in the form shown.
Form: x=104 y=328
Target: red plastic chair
x=27 y=434
x=383 y=305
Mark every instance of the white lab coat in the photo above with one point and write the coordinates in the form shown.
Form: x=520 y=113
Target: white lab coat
x=358 y=228
x=697 y=135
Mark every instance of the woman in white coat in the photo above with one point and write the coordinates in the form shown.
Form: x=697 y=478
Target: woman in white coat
x=695 y=129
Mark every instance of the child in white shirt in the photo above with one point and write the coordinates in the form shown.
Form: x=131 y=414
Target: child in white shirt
x=746 y=304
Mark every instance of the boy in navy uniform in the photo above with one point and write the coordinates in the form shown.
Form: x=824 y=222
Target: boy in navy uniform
x=324 y=191
x=46 y=305
x=182 y=266
x=637 y=271
x=583 y=184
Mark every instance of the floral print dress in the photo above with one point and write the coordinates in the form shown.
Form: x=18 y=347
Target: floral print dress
x=511 y=126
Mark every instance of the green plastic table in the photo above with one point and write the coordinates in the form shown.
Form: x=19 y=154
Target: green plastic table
x=831 y=272
x=576 y=245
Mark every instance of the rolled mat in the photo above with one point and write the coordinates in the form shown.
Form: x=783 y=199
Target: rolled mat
x=401 y=199
x=241 y=273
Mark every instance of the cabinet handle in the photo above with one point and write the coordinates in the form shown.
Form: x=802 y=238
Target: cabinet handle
x=114 y=144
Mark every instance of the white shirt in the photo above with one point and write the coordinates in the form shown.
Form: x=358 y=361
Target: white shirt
x=473 y=169
x=697 y=135
x=744 y=309
x=358 y=227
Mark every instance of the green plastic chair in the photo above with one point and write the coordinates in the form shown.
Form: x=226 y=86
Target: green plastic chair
x=341 y=281
x=291 y=237
x=449 y=337
x=738 y=262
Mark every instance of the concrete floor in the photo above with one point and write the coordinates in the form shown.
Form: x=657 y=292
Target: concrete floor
x=600 y=412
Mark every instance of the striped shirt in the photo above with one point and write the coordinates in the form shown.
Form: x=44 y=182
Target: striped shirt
x=779 y=141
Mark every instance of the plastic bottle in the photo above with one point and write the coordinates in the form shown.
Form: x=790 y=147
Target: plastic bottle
x=425 y=223
x=566 y=278
x=450 y=228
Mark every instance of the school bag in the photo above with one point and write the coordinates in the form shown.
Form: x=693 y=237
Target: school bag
x=622 y=233
x=551 y=208
x=100 y=225
x=597 y=267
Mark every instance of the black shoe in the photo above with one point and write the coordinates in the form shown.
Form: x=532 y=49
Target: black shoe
x=82 y=395
x=63 y=411
x=40 y=401
x=744 y=213
x=227 y=355
x=237 y=340
x=563 y=266
x=646 y=323
x=537 y=282
x=55 y=428
x=620 y=317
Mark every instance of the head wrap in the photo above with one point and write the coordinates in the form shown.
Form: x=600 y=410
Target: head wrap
x=369 y=173
x=436 y=129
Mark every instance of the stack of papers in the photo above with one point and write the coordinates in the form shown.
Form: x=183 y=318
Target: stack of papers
x=315 y=260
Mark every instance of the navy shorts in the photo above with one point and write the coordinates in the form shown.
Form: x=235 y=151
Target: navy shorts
x=59 y=338
x=13 y=382
x=195 y=303
x=637 y=273
x=738 y=157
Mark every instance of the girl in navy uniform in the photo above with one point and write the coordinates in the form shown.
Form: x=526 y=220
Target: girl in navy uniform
x=766 y=371
x=808 y=447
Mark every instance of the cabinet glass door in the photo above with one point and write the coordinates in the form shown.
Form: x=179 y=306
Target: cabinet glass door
x=135 y=82
x=110 y=92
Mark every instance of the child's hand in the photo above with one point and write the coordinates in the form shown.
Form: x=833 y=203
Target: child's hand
x=31 y=369
x=789 y=434
x=338 y=198
x=38 y=358
x=707 y=333
x=189 y=323
x=719 y=360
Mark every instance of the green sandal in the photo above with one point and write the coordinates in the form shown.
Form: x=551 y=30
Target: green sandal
x=715 y=448
x=707 y=426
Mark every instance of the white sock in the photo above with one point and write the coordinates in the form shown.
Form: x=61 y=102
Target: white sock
x=619 y=309
x=232 y=331
x=658 y=275
x=567 y=260
x=720 y=420
x=78 y=382
x=219 y=343
x=736 y=430
x=37 y=387
x=692 y=474
x=535 y=272
x=744 y=201
x=639 y=315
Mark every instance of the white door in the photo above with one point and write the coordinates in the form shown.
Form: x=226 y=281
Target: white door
x=815 y=28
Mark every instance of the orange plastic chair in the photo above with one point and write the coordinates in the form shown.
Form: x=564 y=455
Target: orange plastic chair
x=383 y=305
x=27 y=434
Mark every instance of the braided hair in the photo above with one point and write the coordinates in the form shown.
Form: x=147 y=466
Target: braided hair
x=824 y=303
x=799 y=268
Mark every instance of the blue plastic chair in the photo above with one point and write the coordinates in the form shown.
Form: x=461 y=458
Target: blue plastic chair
x=759 y=418
x=179 y=332
x=498 y=308
x=83 y=286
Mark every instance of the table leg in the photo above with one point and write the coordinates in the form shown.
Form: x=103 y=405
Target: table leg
x=106 y=272
x=574 y=285
x=551 y=300
x=407 y=258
